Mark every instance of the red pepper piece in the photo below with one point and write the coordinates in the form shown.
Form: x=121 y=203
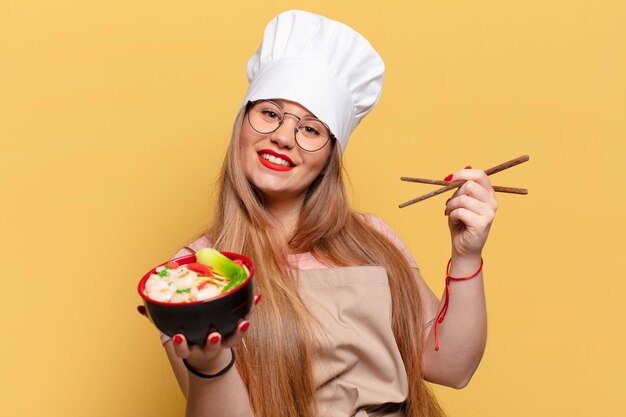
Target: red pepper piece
x=238 y=262
x=172 y=265
x=203 y=284
x=201 y=269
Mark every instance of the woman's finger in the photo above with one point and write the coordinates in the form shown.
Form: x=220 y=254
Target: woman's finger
x=256 y=300
x=213 y=343
x=469 y=203
x=142 y=310
x=181 y=348
x=479 y=224
x=474 y=190
x=472 y=175
x=234 y=339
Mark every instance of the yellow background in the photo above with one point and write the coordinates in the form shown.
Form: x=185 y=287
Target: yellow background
x=114 y=119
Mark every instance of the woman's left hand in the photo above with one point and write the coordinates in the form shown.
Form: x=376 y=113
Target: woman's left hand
x=470 y=212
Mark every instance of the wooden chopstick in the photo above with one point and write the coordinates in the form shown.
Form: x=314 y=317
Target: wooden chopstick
x=496 y=188
x=456 y=184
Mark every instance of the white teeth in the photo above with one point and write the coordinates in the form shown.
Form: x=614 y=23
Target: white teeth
x=275 y=160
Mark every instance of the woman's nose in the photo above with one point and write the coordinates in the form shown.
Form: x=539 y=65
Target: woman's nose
x=285 y=135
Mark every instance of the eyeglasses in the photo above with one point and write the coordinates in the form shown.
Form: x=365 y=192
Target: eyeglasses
x=266 y=116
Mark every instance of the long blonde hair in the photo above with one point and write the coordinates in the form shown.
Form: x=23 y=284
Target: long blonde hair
x=275 y=361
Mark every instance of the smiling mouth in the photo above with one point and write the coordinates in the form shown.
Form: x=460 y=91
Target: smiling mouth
x=275 y=159
x=275 y=162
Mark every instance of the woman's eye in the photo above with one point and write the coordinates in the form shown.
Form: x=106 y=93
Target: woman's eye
x=270 y=114
x=311 y=130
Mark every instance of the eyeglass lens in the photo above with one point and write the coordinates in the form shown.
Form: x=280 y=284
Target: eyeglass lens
x=266 y=116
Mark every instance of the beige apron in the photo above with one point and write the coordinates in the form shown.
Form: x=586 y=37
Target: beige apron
x=358 y=370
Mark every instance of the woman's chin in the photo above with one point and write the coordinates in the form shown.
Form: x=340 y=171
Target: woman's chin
x=280 y=194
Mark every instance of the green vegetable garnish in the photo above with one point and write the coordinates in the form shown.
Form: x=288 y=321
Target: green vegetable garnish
x=222 y=266
x=187 y=290
x=163 y=273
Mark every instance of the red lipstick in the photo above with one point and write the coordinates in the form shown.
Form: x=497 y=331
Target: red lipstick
x=273 y=166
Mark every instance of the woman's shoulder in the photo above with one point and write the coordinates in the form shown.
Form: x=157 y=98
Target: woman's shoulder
x=383 y=228
x=379 y=225
x=200 y=243
x=374 y=221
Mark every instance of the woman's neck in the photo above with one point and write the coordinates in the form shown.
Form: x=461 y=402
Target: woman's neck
x=287 y=212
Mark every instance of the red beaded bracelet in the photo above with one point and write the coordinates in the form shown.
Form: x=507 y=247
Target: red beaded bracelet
x=442 y=314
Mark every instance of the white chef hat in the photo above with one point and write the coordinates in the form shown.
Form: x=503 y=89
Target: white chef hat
x=321 y=64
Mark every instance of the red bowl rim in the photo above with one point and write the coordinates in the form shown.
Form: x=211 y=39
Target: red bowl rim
x=187 y=259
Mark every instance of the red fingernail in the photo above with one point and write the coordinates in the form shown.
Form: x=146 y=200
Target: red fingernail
x=142 y=310
x=448 y=178
x=214 y=339
x=257 y=299
x=245 y=326
x=178 y=339
x=468 y=167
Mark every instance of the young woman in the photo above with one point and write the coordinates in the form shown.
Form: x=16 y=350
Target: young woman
x=346 y=325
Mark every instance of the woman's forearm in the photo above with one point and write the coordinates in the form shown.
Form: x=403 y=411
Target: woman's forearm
x=226 y=395
x=462 y=335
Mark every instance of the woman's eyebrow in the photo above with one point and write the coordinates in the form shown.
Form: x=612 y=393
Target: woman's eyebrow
x=282 y=106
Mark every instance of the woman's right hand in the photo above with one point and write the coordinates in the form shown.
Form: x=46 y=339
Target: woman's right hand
x=214 y=355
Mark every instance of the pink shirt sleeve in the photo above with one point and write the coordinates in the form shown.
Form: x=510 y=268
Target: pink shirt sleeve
x=382 y=227
x=193 y=247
